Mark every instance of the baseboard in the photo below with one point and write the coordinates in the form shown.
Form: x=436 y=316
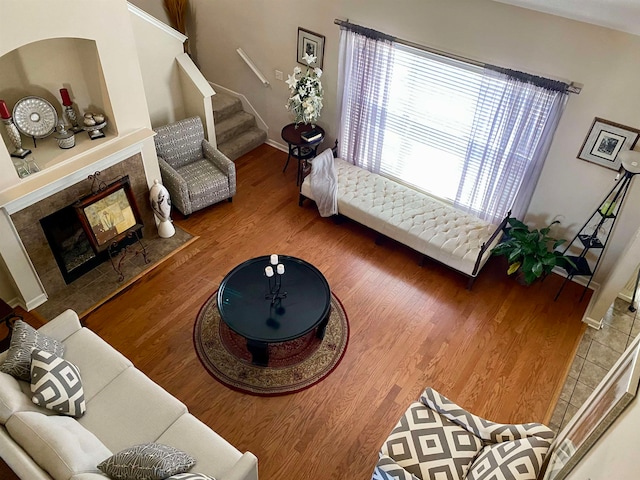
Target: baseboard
x=278 y=145
x=597 y=324
x=579 y=280
x=36 y=302
x=246 y=105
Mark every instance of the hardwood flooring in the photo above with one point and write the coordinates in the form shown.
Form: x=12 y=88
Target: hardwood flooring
x=501 y=350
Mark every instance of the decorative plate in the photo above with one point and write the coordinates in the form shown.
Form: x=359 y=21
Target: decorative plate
x=35 y=117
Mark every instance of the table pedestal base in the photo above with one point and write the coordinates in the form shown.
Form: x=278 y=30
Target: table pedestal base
x=259 y=352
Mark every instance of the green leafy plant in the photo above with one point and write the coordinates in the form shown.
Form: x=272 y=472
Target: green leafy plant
x=531 y=252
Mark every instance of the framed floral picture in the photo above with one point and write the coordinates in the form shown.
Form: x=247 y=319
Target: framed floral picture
x=312 y=44
x=109 y=215
x=605 y=141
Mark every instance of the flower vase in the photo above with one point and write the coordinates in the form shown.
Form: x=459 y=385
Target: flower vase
x=161 y=205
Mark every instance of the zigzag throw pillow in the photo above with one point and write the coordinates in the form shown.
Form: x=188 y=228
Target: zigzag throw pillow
x=56 y=384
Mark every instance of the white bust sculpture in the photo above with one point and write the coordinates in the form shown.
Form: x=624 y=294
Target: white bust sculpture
x=161 y=205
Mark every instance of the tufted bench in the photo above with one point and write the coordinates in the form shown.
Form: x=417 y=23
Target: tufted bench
x=429 y=226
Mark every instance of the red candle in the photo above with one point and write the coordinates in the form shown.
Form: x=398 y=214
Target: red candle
x=4 y=111
x=66 y=100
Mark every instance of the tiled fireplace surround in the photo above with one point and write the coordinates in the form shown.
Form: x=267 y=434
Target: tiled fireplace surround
x=26 y=221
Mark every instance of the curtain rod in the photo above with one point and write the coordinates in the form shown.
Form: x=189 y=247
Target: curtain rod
x=572 y=88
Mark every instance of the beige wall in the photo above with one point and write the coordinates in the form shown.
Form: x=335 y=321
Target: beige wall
x=603 y=60
x=157 y=52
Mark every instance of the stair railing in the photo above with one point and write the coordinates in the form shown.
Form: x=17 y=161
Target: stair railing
x=253 y=67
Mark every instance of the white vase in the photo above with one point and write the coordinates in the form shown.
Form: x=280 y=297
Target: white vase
x=161 y=205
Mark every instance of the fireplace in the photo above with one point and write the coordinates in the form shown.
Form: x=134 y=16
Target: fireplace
x=69 y=243
x=36 y=244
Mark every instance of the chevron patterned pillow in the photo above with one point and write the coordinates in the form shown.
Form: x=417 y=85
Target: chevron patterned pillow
x=514 y=460
x=23 y=340
x=148 y=461
x=56 y=384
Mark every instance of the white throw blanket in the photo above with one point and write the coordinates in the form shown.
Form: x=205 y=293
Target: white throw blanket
x=324 y=183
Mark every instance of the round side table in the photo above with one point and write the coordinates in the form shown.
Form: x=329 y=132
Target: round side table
x=299 y=148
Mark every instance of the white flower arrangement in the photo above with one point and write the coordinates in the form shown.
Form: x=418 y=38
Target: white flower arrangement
x=305 y=101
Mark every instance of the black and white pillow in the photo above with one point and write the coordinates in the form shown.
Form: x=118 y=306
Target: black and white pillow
x=148 y=461
x=56 y=384
x=24 y=340
x=515 y=460
x=190 y=476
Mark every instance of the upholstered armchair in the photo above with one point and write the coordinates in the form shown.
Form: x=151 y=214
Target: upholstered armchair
x=438 y=439
x=195 y=173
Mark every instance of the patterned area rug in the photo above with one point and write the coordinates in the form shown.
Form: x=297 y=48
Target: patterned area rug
x=293 y=366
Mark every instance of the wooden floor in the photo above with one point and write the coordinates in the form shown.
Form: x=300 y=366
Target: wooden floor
x=501 y=350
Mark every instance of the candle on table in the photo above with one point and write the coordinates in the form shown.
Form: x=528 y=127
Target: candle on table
x=66 y=100
x=280 y=269
x=4 y=110
x=268 y=271
x=274 y=259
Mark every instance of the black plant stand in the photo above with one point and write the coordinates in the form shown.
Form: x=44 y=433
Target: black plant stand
x=593 y=237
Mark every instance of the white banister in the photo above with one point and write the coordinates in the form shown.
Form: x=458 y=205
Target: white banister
x=253 y=67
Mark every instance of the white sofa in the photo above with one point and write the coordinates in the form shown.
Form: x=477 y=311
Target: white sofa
x=431 y=227
x=123 y=408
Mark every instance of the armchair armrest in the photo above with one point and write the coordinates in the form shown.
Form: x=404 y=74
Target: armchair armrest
x=484 y=429
x=221 y=161
x=176 y=185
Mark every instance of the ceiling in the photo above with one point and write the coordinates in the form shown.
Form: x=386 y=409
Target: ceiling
x=623 y=15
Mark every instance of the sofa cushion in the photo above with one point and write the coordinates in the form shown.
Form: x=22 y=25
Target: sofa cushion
x=516 y=460
x=151 y=461
x=425 y=444
x=131 y=410
x=23 y=340
x=213 y=453
x=58 y=444
x=56 y=384
x=15 y=396
x=98 y=362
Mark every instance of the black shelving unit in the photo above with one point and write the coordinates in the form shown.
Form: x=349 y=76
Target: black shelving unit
x=596 y=231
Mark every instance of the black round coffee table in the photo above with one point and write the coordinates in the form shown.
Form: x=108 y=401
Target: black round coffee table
x=247 y=308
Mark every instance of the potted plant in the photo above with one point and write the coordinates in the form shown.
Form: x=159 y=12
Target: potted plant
x=532 y=253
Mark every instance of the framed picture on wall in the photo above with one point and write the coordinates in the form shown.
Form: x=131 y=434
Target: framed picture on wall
x=605 y=141
x=311 y=43
x=600 y=410
x=109 y=215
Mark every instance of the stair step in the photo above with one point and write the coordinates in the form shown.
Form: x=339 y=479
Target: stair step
x=224 y=106
x=243 y=143
x=234 y=126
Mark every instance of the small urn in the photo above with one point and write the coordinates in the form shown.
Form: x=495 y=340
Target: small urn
x=65 y=138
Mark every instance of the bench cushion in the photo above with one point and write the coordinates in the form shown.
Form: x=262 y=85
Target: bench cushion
x=427 y=225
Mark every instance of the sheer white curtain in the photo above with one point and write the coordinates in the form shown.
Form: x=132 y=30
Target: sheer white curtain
x=512 y=131
x=366 y=63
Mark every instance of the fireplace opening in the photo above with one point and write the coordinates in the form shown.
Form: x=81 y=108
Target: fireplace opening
x=70 y=245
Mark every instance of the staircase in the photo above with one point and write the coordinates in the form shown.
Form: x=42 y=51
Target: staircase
x=236 y=130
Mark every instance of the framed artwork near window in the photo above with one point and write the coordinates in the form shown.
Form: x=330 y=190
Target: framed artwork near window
x=605 y=141
x=109 y=215
x=600 y=410
x=311 y=43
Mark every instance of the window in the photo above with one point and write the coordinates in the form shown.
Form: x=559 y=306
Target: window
x=430 y=114
x=475 y=136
